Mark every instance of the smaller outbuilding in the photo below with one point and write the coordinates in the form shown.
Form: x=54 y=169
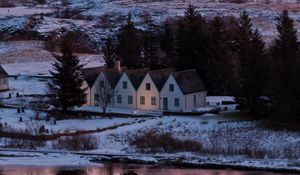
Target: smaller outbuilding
x=183 y=90
x=4 y=84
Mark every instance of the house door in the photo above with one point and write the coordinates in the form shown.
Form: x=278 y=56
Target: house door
x=165 y=103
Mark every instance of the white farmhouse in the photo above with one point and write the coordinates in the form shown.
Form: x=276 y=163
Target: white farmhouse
x=126 y=88
x=104 y=86
x=4 y=85
x=90 y=76
x=183 y=91
x=144 y=89
x=148 y=93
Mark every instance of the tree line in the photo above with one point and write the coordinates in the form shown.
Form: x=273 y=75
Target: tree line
x=228 y=53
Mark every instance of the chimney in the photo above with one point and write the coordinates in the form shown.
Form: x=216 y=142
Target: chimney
x=118 y=66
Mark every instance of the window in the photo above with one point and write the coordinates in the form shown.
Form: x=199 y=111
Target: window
x=124 y=84
x=119 y=98
x=101 y=83
x=130 y=99
x=142 y=100
x=176 y=102
x=195 y=101
x=171 y=87
x=148 y=86
x=153 y=101
x=96 y=97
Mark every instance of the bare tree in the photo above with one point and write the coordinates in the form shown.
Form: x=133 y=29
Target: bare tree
x=105 y=95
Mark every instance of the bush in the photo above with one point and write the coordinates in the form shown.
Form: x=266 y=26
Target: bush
x=153 y=142
x=6 y=3
x=22 y=143
x=76 y=143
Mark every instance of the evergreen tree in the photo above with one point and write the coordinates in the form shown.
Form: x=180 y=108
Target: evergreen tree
x=188 y=39
x=167 y=44
x=254 y=76
x=220 y=71
x=191 y=43
x=243 y=40
x=66 y=84
x=150 y=46
x=253 y=69
x=285 y=53
x=109 y=53
x=129 y=45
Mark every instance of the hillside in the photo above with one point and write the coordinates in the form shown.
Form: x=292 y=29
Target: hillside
x=94 y=20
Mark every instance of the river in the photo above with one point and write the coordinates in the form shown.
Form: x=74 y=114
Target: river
x=118 y=169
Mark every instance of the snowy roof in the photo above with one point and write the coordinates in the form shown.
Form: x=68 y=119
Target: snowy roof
x=112 y=76
x=189 y=81
x=136 y=76
x=3 y=73
x=91 y=74
x=159 y=77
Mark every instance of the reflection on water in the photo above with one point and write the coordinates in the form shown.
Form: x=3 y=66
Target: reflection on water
x=117 y=169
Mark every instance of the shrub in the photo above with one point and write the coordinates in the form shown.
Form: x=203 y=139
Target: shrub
x=76 y=143
x=153 y=142
x=22 y=143
x=6 y=3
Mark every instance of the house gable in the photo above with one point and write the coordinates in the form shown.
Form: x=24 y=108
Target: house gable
x=95 y=88
x=127 y=93
x=172 y=94
x=3 y=73
x=148 y=98
x=4 y=85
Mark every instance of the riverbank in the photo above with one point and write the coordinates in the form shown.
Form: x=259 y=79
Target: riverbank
x=17 y=157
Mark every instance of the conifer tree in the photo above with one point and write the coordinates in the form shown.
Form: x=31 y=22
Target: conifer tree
x=253 y=68
x=285 y=76
x=67 y=82
x=109 y=53
x=167 y=44
x=150 y=46
x=244 y=36
x=220 y=71
x=190 y=41
x=254 y=76
x=129 y=45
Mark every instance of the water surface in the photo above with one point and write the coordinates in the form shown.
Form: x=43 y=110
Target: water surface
x=119 y=169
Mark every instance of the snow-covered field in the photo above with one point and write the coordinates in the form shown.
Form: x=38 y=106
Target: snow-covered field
x=104 y=16
x=219 y=134
x=23 y=11
x=11 y=117
x=30 y=58
x=44 y=160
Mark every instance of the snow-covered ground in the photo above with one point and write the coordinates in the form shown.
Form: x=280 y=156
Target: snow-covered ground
x=23 y=11
x=229 y=137
x=44 y=160
x=31 y=58
x=104 y=16
x=11 y=118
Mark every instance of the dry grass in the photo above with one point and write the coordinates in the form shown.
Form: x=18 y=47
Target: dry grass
x=76 y=143
x=154 y=142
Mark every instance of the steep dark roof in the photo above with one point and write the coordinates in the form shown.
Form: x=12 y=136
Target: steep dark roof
x=159 y=77
x=189 y=81
x=136 y=76
x=3 y=73
x=91 y=74
x=112 y=76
